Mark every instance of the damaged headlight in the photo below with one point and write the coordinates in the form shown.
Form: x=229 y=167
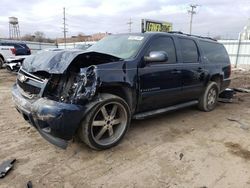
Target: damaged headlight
x=85 y=84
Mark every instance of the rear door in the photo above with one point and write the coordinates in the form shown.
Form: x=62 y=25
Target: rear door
x=160 y=83
x=193 y=72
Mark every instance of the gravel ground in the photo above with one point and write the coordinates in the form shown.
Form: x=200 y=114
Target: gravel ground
x=186 y=148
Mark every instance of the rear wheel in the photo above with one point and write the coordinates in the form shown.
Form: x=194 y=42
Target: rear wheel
x=208 y=100
x=106 y=124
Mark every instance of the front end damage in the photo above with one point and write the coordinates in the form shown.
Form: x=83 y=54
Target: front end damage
x=54 y=93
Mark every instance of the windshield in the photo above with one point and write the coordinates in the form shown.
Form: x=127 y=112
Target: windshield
x=121 y=46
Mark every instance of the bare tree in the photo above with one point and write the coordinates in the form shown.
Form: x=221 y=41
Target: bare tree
x=39 y=36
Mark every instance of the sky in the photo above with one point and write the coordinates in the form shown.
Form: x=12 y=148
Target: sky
x=225 y=18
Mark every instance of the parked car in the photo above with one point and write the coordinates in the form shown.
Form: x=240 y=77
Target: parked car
x=20 y=47
x=19 y=51
x=95 y=94
x=6 y=52
x=13 y=64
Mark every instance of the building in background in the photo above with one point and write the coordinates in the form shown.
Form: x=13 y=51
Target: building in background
x=84 y=38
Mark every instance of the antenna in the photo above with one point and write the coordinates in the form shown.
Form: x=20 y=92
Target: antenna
x=192 y=12
x=129 y=25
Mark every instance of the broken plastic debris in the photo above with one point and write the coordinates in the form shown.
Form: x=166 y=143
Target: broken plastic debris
x=243 y=90
x=181 y=156
x=29 y=184
x=5 y=167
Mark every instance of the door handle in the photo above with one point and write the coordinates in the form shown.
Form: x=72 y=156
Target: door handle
x=175 y=71
x=200 y=69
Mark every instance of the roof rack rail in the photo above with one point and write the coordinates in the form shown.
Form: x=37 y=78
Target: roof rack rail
x=177 y=32
x=181 y=33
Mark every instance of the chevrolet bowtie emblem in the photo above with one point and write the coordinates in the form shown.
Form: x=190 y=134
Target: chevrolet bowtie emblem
x=22 y=78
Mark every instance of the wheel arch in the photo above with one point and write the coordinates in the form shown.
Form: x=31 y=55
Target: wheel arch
x=218 y=78
x=123 y=91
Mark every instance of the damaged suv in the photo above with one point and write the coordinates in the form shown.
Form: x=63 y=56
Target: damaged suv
x=94 y=94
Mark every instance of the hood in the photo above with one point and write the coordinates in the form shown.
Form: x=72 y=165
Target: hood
x=57 y=62
x=54 y=62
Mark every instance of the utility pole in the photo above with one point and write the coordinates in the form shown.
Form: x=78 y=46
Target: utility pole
x=129 y=25
x=192 y=12
x=64 y=27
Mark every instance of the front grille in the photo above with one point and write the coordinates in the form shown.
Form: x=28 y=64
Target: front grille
x=30 y=85
x=28 y=88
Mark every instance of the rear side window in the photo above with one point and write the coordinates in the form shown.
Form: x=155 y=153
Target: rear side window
x=164 y=44
x=189 y=51
x=214 y=52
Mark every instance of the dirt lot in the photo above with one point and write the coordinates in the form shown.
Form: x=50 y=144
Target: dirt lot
x=187 y=148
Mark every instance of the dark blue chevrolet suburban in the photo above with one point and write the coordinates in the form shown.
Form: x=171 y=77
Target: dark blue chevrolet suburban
x=94 y=94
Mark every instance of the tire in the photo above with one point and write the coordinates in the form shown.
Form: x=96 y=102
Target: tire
x=1 y=62
x=106 y=124
x=208 y=100
x=8 y=68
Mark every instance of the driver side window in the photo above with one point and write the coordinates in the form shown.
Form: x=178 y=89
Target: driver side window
x=164 y=44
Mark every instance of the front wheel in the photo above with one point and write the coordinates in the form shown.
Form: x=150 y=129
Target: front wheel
x=208 y=100
x=106 y=124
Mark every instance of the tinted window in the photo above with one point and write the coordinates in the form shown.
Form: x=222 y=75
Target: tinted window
x=214 y=52
x=164 y=44
x=189 y=51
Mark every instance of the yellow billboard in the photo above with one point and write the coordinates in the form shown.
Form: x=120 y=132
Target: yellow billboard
x=156 y=26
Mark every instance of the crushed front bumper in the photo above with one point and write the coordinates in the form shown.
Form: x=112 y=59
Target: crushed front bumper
x=56 y=122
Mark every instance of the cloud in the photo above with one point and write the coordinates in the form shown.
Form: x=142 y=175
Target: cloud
x=224 y=17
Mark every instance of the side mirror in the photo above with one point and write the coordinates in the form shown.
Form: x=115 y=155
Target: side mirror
x=156 y=56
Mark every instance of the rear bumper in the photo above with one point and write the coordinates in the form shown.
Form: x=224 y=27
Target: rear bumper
x=15 y=59
x=56 y=122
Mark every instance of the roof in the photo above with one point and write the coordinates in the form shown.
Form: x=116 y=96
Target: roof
x=178 y=33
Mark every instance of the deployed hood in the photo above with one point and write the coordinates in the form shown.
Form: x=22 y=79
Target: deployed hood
x=56 y=62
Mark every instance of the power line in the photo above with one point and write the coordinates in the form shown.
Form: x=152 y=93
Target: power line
x=192 y=12
x=64 y=27
x=129 y=25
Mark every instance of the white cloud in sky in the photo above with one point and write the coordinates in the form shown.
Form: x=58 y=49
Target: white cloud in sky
x=218 y=17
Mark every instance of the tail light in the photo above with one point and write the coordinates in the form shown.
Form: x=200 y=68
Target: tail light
x=29 y=51
x=13 y=50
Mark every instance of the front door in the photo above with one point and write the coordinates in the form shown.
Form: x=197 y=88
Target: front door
x=160 y=82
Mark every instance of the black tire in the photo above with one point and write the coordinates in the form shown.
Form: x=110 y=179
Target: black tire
x=1 y=62
x=8 y=68
x=208 y=100
x=91 y=129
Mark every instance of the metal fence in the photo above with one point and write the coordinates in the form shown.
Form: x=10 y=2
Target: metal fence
x=239 y=52
x=74 y=44
x=35 y=46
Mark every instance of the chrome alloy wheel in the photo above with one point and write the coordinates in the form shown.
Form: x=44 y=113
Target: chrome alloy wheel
x=212 y=96
x=109 y=123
